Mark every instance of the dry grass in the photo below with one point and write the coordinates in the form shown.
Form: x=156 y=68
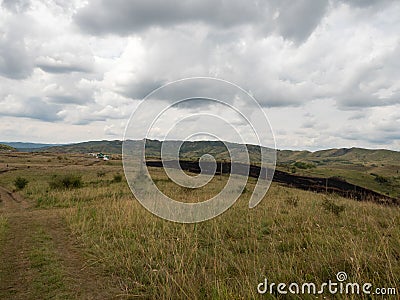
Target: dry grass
x=227 y=256
x=292 y=236
x=3 y=229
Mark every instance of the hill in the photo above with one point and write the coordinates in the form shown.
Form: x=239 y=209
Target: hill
x=6 y=148
x=195 y=149
x=376 y=169
x=27 y=147
x=112 y=147
x=359 y=155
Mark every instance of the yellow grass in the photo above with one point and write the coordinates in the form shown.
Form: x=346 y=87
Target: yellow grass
x=292 y=236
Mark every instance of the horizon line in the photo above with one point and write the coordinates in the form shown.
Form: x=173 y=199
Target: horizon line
x=120 y=140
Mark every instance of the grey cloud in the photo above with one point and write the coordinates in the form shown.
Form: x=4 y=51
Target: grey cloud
x=125 y=17
x=59 y=69
x=65 y=63
x=293 y=20
x=16 y=6
x=382 y=128
x=357 y=116
x=377 y=138
x=140 y=88
x=69 y=99
x=296 y=20
x=33 y=108
x=69 y=90
x=15 y=56
x=366 y=3
x=309 y=124
x=374 y=84
x=15 y=61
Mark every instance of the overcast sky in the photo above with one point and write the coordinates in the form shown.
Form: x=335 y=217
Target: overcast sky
x=327 y=73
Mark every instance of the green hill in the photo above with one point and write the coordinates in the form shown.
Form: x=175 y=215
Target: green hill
x=376 y=169
x=195 y=149
x=6 y=148
x=87 y=147
x=339 y=155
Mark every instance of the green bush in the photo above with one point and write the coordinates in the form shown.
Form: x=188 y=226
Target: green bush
x=117 y=178
x=68 y=181
x=20 y=182
x=303 y=165
x=331 y=206
x=101 y=173
x=381 y=179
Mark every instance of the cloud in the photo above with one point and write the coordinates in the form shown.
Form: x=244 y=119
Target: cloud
x=366 y=3
x=16 y=6
x=324 y=71
x=33 y=108
x=296 y=20
x=380 y=127
x=15 y=58
x=63 y=65
x=292 y=20
x=125 y=17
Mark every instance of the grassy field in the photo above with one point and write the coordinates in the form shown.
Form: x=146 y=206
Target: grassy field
x=292 y=236
x=3 y=229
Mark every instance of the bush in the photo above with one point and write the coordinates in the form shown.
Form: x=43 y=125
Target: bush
x=332 y=207
x=20 y=182
x=101 y=173
x=381 y=179
x=68 y=181
x=303 y=165
x=117 y=178
x=292 y=200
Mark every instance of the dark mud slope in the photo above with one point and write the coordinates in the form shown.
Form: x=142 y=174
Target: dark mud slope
x=317 y=184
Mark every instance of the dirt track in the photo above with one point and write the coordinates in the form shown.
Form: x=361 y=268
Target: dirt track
x=18 y=277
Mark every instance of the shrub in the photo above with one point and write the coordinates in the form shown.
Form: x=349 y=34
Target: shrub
x=101 y=173
x=381 y=179
x=20 y=182
x=332 y=207
x=117 y=178
x=292 y=200
x=68 y=181
x=303 y=165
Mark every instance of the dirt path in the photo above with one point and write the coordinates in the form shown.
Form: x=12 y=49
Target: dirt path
x=41 y=260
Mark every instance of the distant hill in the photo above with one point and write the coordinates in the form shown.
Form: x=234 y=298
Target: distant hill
x=189 y=150
x=340 y=155
x=195 y=149
x=376 y=169
x=22 y=146
x=6 y=148
x=112 y=147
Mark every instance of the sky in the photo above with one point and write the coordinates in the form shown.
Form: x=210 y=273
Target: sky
x=326 y=73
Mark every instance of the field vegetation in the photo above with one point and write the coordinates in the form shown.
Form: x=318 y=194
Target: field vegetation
x=292 y=236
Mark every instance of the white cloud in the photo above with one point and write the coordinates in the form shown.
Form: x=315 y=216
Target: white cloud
x=327 y=72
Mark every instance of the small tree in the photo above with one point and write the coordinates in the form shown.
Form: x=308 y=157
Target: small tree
x=20 y=183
